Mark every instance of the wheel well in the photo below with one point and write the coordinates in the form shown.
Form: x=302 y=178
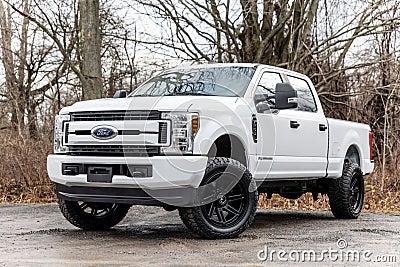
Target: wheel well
x=228 y=146
x=353 y=155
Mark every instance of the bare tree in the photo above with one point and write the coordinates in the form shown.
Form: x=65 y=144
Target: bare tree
x=29 y=75
x=87 y=67
x=90 y=49
x=14 y=80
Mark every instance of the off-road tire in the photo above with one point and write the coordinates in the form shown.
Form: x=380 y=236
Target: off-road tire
x=341 y=193
x=196 y=220
x=112 y=214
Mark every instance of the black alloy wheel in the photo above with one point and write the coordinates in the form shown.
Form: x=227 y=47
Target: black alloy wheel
x=93 y=216
x=232 y=212
x=228 y=209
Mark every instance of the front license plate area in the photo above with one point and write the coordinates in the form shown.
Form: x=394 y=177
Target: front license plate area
x=99 y=174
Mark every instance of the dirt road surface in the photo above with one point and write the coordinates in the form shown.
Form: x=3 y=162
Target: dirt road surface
x=38 y=235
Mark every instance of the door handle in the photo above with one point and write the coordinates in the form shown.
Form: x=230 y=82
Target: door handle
x=322 y=127
x=294 y=124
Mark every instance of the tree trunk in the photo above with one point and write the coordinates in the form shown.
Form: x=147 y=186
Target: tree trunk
x=90 y=49
x=14 y=84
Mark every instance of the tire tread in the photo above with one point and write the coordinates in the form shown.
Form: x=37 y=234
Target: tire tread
x=191 y=217
x=338 y=193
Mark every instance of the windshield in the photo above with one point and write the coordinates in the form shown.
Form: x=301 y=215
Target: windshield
x=217 y=81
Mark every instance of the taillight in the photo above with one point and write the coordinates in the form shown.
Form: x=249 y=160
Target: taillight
x=370 y=145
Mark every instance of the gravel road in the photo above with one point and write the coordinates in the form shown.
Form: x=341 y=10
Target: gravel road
x=38 y=235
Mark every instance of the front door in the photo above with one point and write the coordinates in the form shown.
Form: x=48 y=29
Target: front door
x=292 y=143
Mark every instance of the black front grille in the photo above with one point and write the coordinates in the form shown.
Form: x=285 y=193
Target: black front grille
x=66 y=131
x=115 y=115
x=162 y=133
x=114 y=150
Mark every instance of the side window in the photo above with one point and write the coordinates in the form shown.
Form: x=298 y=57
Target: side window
x=265 y=92
x=306 y=100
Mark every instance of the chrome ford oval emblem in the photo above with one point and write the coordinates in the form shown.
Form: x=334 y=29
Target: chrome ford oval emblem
x=104 y=132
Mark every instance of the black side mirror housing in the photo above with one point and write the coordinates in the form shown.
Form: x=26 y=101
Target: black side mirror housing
x=285 y=96
x=120 y=94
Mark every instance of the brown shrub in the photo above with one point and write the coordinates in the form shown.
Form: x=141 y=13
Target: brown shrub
x=23 y=172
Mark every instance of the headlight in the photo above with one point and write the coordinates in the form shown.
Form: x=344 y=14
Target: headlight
x=59 y=133
x=184 y=128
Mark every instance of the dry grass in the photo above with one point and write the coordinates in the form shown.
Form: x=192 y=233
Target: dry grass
x=23 y=179
x=381 y=195
x=23 y=172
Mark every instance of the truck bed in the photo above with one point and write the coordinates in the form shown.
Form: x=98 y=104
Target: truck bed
x=341 y=135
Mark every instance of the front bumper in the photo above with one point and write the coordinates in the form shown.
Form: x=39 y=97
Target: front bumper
x=179 y=197
x=168 y=172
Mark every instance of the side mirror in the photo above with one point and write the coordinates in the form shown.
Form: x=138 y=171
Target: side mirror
x=120 y=94
x=285 y=96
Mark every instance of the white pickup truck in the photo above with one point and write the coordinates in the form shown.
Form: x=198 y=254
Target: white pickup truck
x=206 y=140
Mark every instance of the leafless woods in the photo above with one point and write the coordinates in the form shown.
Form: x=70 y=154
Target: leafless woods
x=54 y=53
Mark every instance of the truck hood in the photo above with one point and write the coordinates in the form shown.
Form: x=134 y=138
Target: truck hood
x=166 y=103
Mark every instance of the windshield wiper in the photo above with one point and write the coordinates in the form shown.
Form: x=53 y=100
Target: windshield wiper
x=190 y=93
x=176 y=94
x=144 y=95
